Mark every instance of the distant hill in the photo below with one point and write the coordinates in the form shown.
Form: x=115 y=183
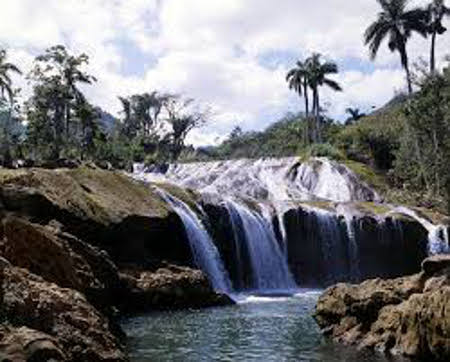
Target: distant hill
x=107 y=120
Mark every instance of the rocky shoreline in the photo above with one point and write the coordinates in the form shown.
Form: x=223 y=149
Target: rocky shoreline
x=79 y=248
x=407 y=316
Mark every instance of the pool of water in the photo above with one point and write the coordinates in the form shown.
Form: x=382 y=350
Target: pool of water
x=256 y=329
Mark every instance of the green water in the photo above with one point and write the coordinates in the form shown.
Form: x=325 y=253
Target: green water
x=259 y=329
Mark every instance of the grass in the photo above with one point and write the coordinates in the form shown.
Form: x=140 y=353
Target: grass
x=374 y=179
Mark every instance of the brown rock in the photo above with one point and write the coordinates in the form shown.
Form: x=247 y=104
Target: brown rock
x=61 y=258
x=125 y=217
x=64 y=314
x=170 y=287
x=25 y=344
x=408 y=316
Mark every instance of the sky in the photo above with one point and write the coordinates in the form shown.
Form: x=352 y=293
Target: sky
x=230 y=55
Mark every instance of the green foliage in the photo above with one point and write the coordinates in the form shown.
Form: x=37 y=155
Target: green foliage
x=374 y=139
x=61 y=123
x=312 y=74
x=422 y=161
x=155 y=126
x=396 y=23
x=323 y=150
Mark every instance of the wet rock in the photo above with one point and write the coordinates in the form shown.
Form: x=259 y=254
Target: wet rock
x=63 y=314
x=170 y=287
x=408 y=316
x=435 y=264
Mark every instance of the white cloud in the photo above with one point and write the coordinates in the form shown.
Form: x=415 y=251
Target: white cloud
x=193 y=46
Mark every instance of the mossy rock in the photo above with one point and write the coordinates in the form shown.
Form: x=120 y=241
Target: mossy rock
x=373 y=208
x=99 y=195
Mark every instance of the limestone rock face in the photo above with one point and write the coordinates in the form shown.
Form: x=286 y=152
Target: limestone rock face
x=170 y=287
x=105 y=208
x=72 y=324
x=61 y=258
x=408 y=316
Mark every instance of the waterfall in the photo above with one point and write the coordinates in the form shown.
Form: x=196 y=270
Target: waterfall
x=205 y=254
x=438 y=241
x=352 y=246
x=270 y=272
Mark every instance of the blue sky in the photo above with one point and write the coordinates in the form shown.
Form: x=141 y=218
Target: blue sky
x=230 y=55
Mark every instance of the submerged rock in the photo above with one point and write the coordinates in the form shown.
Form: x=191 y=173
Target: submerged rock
x=408 y=316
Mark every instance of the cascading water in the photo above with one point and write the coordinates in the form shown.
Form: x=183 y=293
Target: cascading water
x=205 y=254
x=353 y=246
x=312 y=224
x=269 y=268
x=438 y=241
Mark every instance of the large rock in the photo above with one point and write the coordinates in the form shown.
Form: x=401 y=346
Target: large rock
x=108 y=209
x=74 y=326
x=61 y=258
x=408 y=316
x=170 y=287
x=25 y=344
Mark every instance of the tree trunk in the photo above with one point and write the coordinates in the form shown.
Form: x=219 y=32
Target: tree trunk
x=313 y=117
x=433 y=53
x=405 y=64
x=318 y=131
x=305 y=91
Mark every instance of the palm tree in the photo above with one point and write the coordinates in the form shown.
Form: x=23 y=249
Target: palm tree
x=436 y=13
x=355 y=115
x=5 y=78
x=396 y=23
x=297 y=79
x=318 y=77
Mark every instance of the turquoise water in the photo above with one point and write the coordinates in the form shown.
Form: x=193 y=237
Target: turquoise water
x=258 y=329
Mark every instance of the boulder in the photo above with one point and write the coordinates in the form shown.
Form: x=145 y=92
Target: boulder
x=108 y=209
x=169 y=287
x=408 y=316
x=72 y=324
x=435 y=264
x=61 y=258
x=25 y=344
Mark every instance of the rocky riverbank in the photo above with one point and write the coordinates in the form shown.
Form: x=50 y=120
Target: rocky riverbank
x=79 y=248
x=408 y=316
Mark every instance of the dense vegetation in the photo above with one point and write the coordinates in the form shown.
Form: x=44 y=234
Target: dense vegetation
x=58 y=122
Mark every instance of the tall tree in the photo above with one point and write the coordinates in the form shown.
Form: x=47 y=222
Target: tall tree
x=355 y=115
x=55 y=101
x=69 y=68
x=318 y=77
x=436 y=12
x=5 y=76
x=298 y=80
x=7 y=100
x=396 y=23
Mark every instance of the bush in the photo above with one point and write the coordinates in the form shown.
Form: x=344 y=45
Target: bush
x=323 y=150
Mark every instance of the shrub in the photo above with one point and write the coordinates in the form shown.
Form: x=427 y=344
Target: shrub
x=323 y=150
